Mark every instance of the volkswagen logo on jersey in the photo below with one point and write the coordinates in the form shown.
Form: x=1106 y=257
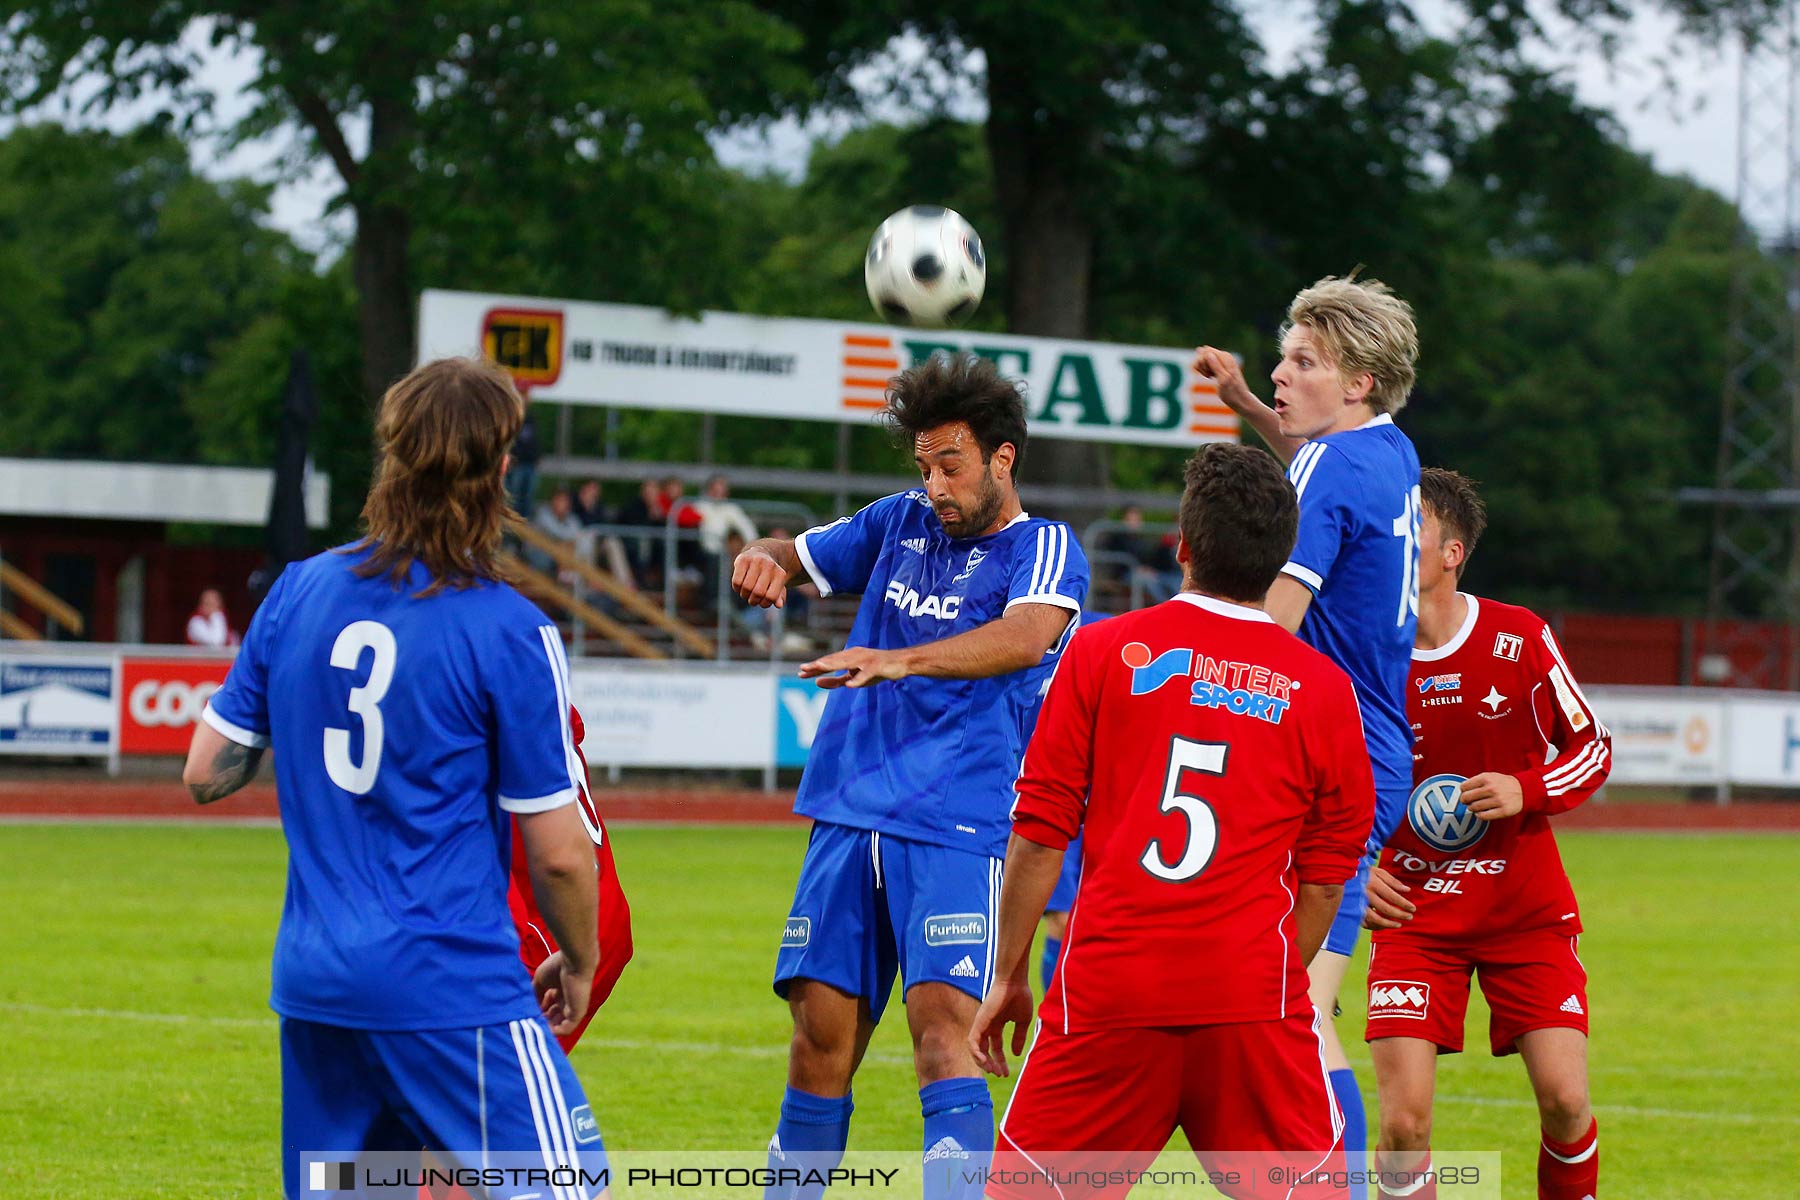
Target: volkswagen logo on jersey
x=1437 y=815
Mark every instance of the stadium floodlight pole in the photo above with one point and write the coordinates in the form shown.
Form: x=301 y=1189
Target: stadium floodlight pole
x=1755 y=561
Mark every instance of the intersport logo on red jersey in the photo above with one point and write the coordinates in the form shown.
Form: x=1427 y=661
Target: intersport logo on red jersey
x=161 y=698
x=1244 y=689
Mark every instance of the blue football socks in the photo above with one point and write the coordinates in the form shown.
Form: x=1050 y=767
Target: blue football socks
x=1047 y=968
x=810 y=1139
x=959 y=1137
x=1356 y=1129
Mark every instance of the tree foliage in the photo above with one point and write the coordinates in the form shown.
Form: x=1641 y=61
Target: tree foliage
x=1141 y=174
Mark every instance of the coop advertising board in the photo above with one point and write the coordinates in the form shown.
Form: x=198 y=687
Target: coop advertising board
x=57 y=706
x=623 y=355
x=160 y=699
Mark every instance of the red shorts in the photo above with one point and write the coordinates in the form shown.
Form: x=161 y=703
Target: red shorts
x=1091 y=1108
x=1420 y=989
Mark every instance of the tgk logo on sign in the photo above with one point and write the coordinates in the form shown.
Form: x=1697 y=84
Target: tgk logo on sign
x=160 y=699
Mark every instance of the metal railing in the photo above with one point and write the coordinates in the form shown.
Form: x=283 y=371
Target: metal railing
x=1139 y=576
x=577 y=558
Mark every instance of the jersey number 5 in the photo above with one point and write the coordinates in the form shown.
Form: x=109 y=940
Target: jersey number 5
x=1208 y=758
x=365 y=701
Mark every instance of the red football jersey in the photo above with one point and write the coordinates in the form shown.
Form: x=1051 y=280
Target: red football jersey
x=1212 y=762
x=1497 y=697
x=535 y=941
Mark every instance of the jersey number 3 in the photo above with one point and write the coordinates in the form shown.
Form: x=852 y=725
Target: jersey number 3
x=1208 y=758
x=365 y=703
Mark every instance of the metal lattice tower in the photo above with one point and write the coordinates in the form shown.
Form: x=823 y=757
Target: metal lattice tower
x=1755 y=571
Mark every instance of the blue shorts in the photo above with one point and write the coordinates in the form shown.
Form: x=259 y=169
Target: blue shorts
x=870 y=905
x=1347 y=925
x=505 y=1090
x=1062 y=900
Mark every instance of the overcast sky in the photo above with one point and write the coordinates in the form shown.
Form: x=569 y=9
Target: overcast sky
x=1693 y=132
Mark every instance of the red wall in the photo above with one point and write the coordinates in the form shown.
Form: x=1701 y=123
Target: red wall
x=174 y=576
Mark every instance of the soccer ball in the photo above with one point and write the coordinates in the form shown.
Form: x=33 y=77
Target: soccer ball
x=925 y=267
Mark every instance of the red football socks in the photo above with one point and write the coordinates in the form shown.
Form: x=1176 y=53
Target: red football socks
x=1570 y=1171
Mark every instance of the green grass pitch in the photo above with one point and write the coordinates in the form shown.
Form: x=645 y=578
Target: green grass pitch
x=138 y=1058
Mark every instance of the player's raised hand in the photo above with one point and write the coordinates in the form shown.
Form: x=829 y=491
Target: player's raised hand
x=562 y=989
x=1222 y=367
x=1493 y=796
x=759 y=579
x=860 y=667
x=1388 y=906
x=1008 y=1002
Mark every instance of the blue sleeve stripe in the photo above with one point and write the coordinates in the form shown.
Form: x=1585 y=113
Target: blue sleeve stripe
x=1037 y=564
x=1301 y=475
x=559 y=674
x=1052 y=557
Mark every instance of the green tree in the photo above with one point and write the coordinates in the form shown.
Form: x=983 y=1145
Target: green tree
x=470 y=110
x=128 y=278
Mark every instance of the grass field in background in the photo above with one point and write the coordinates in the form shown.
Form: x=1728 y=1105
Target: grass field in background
x=139 y=1059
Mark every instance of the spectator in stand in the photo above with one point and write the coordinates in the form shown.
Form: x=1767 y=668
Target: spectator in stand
x=608 y=551
x=1152 y=557
x=589 y=508
x=725 y=528
x=521 y=476
x=690 y=560
x=209 y=626
x=558 y=519
x=648 y=510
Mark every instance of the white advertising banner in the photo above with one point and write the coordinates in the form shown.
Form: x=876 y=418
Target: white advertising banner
x=61 y=706
x=624 y=355
x=1667 y=739
x=674 y=718
x=1765 y=741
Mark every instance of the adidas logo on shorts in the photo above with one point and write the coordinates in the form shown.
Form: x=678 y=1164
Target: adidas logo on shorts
x=965 y=969
x=1572 y=1005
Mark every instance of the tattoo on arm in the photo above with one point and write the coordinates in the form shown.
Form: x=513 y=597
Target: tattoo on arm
x=232 y=767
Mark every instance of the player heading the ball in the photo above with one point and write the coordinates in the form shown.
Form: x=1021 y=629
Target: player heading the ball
x=413 y=701
x=967 y=601
x=1213 y=765
x=1351 y=587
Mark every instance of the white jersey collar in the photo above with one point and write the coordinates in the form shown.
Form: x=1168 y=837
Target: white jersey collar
x=1225 y=608
x=1455 y=643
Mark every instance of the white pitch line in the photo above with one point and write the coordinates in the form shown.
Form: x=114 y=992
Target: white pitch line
x=640 y=1046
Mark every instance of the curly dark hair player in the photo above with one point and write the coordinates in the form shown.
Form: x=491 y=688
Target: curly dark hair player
x=967 y=602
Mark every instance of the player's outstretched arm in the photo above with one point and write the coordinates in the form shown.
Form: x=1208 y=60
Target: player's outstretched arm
x=560 y=855
x=1030 y=876
x=1013 y=642
x=764 y=569
x=1221 y=366
x=216 y=765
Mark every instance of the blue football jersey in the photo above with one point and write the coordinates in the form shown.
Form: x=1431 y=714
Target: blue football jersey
x=405 y=730
x=932 y=759
x=1358 y=551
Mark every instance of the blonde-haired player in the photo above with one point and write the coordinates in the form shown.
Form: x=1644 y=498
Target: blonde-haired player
x=1351 y=587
